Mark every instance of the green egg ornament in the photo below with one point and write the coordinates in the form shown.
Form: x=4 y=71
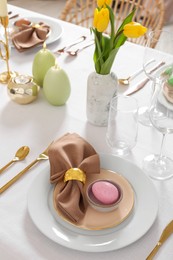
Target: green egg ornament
x=170 y=80
x=168 y=71
x=43 y=61
x=56 y=86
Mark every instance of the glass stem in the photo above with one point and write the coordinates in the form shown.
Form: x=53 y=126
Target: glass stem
x=151 y=95
x=161 y=148
x=154 y=89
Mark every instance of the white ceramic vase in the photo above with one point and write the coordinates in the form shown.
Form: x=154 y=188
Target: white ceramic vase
x=100 y=90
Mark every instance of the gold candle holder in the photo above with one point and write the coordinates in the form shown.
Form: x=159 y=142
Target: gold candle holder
x=5 y=76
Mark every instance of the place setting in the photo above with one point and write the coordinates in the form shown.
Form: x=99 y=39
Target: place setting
x=27 y=32
x=45 y=29
x=57 y=211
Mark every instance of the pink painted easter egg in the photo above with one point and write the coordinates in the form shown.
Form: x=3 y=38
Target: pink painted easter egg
x=105 y=192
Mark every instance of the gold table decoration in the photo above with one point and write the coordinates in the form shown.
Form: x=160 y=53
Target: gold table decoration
x=5 y=76
x=22 y=89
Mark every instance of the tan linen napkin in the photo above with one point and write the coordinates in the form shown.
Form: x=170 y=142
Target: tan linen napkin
x=30 y=36
x=71 y=151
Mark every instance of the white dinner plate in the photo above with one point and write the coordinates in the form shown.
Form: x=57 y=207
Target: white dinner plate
x=55 y=28
x=61 y=232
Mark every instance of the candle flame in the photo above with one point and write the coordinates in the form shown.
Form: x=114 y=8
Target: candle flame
x=57 y=66
x=44 y=45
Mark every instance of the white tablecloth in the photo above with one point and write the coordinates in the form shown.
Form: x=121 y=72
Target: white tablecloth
x=38 y=123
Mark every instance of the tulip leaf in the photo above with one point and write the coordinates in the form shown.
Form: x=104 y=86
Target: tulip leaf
x=120 y=38
x=106 y=46
x=111 y=13
x=106 y=67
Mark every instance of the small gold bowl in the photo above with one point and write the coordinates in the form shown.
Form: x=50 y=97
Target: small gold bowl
x=22 y=89
x=98 y=205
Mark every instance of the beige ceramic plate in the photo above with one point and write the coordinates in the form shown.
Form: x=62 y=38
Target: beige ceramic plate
x=94 y=220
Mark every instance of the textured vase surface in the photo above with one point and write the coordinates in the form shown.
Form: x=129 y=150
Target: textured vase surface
x=100 y=90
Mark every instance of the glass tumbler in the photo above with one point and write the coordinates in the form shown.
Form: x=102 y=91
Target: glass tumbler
x=122 y=127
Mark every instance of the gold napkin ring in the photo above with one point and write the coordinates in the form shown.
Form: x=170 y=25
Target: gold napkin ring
x=36 y=25
x=75 y=174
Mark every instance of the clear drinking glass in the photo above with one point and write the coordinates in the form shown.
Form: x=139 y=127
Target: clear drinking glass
x=122 y=127
x=161 y=60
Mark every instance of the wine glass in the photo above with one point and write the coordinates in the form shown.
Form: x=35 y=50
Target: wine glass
x=158 y=67
x=159 y=166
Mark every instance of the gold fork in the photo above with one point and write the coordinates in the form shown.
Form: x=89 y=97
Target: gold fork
x=42 y=156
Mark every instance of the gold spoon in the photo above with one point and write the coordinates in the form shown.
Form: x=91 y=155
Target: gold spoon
x=21 y=153
x=74 y=53
x=126 y=81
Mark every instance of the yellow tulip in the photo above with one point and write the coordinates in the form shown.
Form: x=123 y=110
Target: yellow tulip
x=134 y=30
x=101 y=3
x=101 y=19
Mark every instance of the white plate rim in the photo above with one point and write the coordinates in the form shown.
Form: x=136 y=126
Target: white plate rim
x=144 y=215
x=56 y=28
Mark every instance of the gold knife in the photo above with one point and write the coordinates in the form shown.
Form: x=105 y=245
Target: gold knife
x=165 y=234
x=142 y=83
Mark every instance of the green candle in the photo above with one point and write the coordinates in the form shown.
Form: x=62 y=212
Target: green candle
x=56 y=86
x=43 y=60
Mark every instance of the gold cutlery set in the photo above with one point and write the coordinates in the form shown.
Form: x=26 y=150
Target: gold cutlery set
x=79 y=40
x=20 y=155
x=66 y=49
x=126 y=81
x=74 y=53
x=143 y=82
